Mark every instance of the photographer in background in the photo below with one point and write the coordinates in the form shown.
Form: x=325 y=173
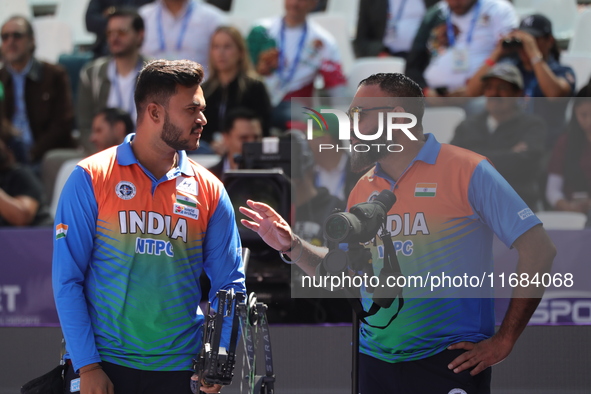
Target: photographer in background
x=532 y=48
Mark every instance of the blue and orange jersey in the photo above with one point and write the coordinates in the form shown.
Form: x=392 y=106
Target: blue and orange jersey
x=128 y=253
x=450 y=202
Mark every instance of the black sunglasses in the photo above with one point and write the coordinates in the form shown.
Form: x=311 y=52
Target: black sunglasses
x=16 y=35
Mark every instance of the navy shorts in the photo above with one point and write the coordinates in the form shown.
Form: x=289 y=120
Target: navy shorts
x=129 y=380
x=429 y=375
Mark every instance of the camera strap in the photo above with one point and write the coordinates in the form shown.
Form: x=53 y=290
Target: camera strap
x=383 y=296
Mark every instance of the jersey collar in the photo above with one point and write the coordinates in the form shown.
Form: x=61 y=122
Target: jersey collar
x=125 y=157
x=428 y=154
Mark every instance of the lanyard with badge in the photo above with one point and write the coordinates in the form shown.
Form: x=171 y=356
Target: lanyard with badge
x=282 y=58
x=119 y=90
x=393 y=21
x=183 y=31
x=460 y=55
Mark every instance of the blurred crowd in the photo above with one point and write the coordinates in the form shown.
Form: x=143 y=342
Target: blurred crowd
x=479 y=55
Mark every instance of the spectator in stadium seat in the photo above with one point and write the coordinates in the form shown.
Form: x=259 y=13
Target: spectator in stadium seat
x=232 y=82
x=240 y=125
x=512 y=140
x=388 y=27
x=180 y=29
x=109 y=128
x=97 y=15
x=290 y=52
x=22 y=202
x=109 y=81
x=38 y=98
x=454 y=39
x=537 y=58
x=569 y=171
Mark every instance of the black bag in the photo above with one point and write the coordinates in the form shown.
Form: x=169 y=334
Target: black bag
x=50 y=383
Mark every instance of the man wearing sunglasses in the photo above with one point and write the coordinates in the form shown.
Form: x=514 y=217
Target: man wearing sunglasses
x=109 y=81
x=38 y=95
x=450 y=201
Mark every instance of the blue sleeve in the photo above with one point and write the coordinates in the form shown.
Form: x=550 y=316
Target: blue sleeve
x=72 y=251
x=222 y=256
x=567 y=73
x=496 y=204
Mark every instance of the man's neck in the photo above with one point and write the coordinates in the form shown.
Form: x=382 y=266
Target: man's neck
x=504 y=116
x=227 y=76
x=175 y=6
x=231 y=163
x=469 y=8
x=329 y=160
x=158 y=158
x=306 y=191
x=395 y=164
x=20 y=65
x=127 y=63
x=294 y=21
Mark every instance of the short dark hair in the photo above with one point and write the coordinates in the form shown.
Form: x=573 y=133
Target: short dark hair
x=114 y=115
x=158 y=80
x=237 y=113
x=137 y=22
x=28 y=26
x=399 y=85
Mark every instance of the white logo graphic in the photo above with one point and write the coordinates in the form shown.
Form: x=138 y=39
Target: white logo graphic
x=125 y=190
x=525 y=213
x=75 y=385
x=457 y=391
x=187 y=185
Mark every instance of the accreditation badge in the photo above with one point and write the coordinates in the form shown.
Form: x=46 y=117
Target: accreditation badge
x=460 y=60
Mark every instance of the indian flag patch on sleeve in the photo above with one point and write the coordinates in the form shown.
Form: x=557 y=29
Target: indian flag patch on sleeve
x=61 y=230
x=425 y=190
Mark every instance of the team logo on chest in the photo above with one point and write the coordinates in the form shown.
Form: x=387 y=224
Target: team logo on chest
x=187 y=185
x=125 y=190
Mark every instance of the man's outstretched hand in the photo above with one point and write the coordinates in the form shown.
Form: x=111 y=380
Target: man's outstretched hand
x=268 y=224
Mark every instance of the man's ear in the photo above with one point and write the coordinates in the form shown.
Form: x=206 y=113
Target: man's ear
x=155 y=112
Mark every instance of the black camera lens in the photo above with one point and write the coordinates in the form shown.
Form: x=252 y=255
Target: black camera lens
x=337 y=227
x=512 y=43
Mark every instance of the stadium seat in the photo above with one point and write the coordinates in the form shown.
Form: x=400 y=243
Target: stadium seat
x=557 y=220
x=524 y=7
x=256 y=9
x=337 y=26
x=9 y=8
x=364 y=67
x=242 y=24
x=73 y=63
x=206 y=161
x=347 y=8
x=562 y=14
x=73 y=12
x=53 y=38
x=581 y=64
x=60 y=180
x=580 y=43
x=442 y=122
